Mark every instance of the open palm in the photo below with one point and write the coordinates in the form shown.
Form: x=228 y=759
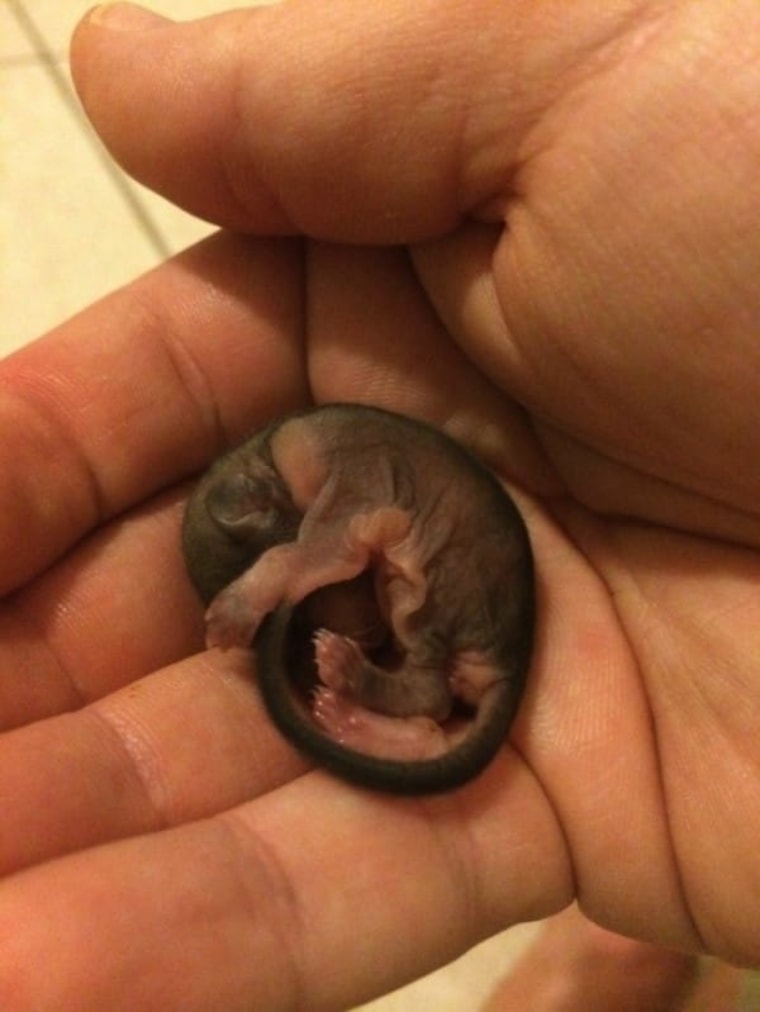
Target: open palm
x=565 y=280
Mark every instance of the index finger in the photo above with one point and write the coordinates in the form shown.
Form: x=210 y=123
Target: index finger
x=313 y=896
x=141 y=389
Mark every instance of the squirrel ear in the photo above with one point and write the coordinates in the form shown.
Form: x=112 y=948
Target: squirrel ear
x=238 y=503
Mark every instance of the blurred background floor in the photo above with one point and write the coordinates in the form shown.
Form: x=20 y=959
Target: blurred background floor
x=72 y=228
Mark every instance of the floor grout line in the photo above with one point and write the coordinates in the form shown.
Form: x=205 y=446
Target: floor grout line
x=51 y=64
x=23 y=60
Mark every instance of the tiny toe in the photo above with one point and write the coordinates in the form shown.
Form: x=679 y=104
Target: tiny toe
x=338 y=659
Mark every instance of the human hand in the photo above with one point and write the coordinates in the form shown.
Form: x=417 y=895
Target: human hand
x=618 y=404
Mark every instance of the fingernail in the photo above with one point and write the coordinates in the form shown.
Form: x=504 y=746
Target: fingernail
x=125 y=17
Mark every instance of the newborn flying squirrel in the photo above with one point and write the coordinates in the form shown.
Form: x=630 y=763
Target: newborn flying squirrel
x=385 y=581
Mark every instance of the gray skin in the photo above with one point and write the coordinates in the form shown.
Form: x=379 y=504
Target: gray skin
x=384 y=579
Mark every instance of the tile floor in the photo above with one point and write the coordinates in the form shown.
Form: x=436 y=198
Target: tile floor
x=72 y=228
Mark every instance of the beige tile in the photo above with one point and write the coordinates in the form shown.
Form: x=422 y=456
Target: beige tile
x=67 y=237
x=53 y=21
x=14 y=45
x=50 y=23
x=463 y=985
x=178 y=229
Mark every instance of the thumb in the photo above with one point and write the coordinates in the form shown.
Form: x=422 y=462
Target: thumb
x=346 y=120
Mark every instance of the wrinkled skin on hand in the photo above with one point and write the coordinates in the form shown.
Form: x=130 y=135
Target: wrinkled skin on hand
x=531 y=225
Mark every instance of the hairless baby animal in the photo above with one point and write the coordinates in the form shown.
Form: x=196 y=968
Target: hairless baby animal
x=385 y=580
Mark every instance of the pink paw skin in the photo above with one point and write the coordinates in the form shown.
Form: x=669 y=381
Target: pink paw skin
x=339 y=660
x=385 y=580
x=408 y=738
x=229 y=622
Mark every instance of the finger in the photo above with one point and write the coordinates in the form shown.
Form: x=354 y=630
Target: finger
x=373 y=332
x=280 y=899
x=181 y=744
x=584 y=699
x=119 y=605
x=349 y=121
x=586 y=729
x=116 y=607
x=142 y=389
x=691 y=607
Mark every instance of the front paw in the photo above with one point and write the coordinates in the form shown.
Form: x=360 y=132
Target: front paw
x=230 y=621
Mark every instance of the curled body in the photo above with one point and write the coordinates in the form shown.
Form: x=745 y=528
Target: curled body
x=384 y=579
